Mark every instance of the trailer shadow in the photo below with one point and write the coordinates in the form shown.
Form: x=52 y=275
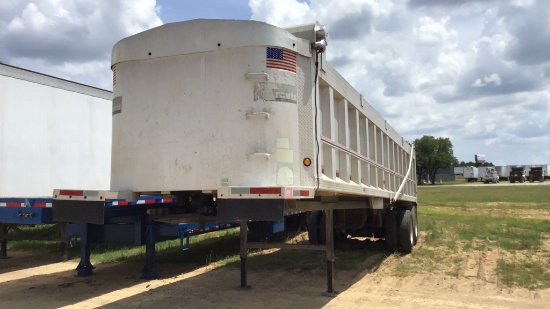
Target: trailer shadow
x=278 y=279
x=18 y=259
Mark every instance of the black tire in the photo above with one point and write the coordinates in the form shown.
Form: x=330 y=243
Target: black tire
x=415 y=224
x=313 y=221
x=390 y=230
x=406 y=239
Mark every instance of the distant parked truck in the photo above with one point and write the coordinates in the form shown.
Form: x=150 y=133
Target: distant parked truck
x=471 y=173
x=536 y=174
x=517 y=173
x=491 y=175
x=481 y=171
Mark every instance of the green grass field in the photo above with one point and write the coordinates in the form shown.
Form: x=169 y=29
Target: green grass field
x=510 y=220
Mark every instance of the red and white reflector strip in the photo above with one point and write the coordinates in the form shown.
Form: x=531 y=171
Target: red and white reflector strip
x=142 y=202
x=42 y=204
x=193 y=230
x=23 y=204
x=120 y=203
x=266 y=192
x=90 y=195
x=12 y=204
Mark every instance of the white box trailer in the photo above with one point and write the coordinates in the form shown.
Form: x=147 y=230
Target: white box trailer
x=249 y=121
x=55 y=133
x=471 y=173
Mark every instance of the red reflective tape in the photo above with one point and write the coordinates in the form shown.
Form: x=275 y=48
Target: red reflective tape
x=123 y=203
x=196 y=231
x=149 y=201
x=12 y=204
x=304 y=193
x=265 y=190
x=39 y=204
x=213 y=228
x=72 y=192
x=168 y=200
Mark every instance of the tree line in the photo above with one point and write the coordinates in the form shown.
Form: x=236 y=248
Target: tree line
x=433 y=154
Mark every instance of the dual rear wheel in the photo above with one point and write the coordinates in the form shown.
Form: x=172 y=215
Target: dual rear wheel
x=401 y=229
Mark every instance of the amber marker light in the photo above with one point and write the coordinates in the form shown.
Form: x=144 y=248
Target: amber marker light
x=307 y=161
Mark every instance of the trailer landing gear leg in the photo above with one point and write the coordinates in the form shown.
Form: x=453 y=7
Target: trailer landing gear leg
x=150 y=270
x=4 y=240
x=85 y=267
x=330 y=253
x=243 y=253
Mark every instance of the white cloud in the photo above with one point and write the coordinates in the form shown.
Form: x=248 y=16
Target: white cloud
x=443 y=69
x=280 y=13
x=58 y=36
x=492 y=79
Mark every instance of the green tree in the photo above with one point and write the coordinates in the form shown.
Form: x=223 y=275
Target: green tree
x=433 y=154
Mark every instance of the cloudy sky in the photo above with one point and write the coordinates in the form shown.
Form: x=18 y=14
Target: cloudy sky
x=476 y=71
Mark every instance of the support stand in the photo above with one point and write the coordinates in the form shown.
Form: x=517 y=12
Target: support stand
x=243 y=253
x=3 y=240
x=85 y=267
x=329 y=228
x=150 y=270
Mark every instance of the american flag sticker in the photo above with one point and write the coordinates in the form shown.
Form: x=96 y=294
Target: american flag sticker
x=278 y=58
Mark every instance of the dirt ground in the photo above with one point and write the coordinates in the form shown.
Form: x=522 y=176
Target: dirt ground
x=37 y=280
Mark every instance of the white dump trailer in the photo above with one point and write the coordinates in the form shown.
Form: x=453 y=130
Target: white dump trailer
x=247 y=121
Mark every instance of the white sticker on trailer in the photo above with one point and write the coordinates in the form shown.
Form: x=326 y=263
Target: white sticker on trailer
x=285 y=177
x=117 y=105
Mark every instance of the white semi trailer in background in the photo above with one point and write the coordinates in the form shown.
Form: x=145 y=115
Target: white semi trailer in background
x=242 y=120
x=471 y=173
x=54 y=133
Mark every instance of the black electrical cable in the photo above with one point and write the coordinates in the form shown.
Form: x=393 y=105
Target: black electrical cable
x=315 y=104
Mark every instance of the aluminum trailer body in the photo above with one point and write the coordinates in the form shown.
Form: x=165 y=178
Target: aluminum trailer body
x=216 y=113
x=503 y=171
x=249 y=121
x=55 y=133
